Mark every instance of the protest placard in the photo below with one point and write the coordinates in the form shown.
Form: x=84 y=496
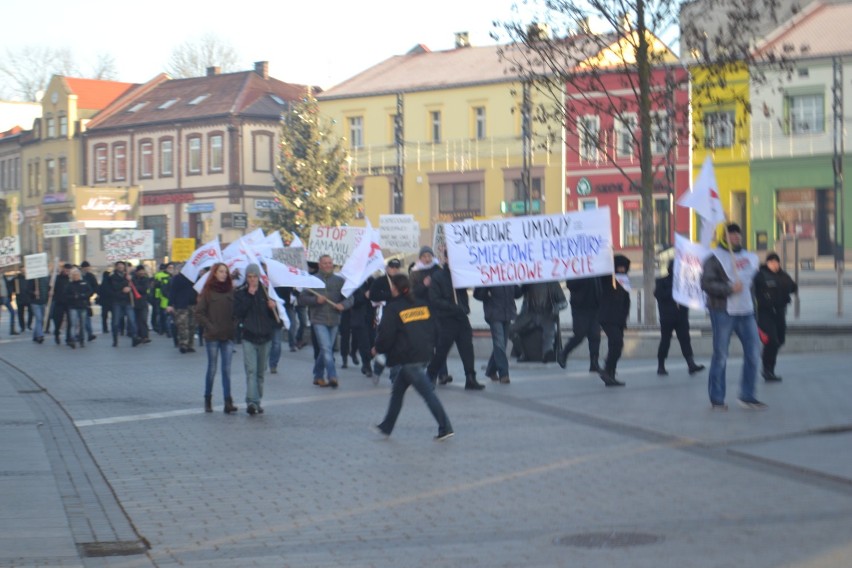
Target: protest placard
x=399 y=233
x=686 y=279
x=337 y=242
x=439 y=243
x=35 y=266
x=291 y=256
x=182 y=249
x=10 y=251
x=539 y=248
x=132 y=244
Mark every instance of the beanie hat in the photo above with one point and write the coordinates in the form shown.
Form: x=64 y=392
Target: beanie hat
x=773 y=256
x=85 y=264
x=140 y=268
x=424 y=249
x=253 y=269
x=734 y=228
x=622 y=261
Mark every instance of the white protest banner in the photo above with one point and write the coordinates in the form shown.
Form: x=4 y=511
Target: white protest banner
x=10 y=251
x=291 y=256
x=131 y=244
x=36 y=266
x=540 y=248
x=686 y=282
x=206 y=255
x=439 y=243
x=283 y=275
x=399 y=233
x=69 y=229
x=337 y=242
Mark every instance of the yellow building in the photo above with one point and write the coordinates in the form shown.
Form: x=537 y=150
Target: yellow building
x=721 y=127
x=446 y=128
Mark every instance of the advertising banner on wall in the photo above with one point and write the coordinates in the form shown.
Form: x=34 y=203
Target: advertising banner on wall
x=107 y=207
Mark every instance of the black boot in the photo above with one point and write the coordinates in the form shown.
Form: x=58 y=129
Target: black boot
x=444 y=379
x=229 y=406
x=471 y=384
x=208 y=404
x=562 y=358
x=693 y=366
x=594 y=366
x=661 y=368
x=608 y=377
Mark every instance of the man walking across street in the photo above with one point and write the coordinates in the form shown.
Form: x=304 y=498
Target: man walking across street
x=122 y=303
x=727 y=280
x=772 y=290
x=585 y=320
x=500 y=310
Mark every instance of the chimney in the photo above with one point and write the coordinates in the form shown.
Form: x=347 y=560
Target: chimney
x=214 y=70
x=262 y=69
x=462 y=40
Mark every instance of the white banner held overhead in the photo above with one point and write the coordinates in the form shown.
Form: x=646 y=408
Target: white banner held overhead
x=399 y=233
x=132 y=244
x=540 y=248
x=337 y=242
x=10 y=250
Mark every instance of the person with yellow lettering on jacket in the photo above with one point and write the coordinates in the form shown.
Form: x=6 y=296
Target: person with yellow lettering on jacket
x=406 y=336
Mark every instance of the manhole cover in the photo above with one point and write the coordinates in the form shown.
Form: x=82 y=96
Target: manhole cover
x=608 y=539
x=116 y=548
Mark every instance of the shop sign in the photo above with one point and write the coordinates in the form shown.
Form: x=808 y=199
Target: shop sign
x=106 y=207
x=201 y=208
x=167 y=198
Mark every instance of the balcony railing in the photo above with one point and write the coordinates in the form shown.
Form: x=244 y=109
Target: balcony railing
x=770 y=140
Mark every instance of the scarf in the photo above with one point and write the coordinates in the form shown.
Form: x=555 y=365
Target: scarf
x=221 y=287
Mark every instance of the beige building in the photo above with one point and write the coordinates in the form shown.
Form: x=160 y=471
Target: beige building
x=439 y=135
x=11 y=217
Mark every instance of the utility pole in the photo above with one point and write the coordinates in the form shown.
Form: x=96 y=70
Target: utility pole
x=526 y=142
x=399 y=142
x=839 y=212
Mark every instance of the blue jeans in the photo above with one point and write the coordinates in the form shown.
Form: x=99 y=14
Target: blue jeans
x=295 y=327
x=76 y=324
x=414 y=374
x=498 y=362
x=274 y=348
x=302 y=314
x=4 y=301
x=254 y=361
x=745 y=328
x=325 y=335
x=38 y=314
x=226 y=348
x=118 y=313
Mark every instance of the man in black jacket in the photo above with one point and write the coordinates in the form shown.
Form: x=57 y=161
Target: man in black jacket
x=254 y=309
x=673 y=317
x=451 y=309
x=406 y=336
x=182 y=299
x=122 y=303
x=615 y=308
x=585 y=320
x=500 y=310
x=92 y=281
x=772 y=290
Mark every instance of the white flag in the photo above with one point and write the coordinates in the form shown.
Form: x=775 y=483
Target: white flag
x=704 y=200
x=273 y=240
x=204 y=256
x=365 y=259
x=281 y=274
x=296 y=242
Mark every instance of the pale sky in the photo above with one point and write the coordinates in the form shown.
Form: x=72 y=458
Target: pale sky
x=319 y=43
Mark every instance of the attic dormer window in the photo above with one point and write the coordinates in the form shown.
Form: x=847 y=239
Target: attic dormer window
x=137 y=106
x=277 y=99
x=198 y=99
x=167 y=104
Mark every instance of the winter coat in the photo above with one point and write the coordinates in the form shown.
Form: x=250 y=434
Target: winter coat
x=325 y=313
x=585 y=294
x=380 y=290
x=615 y=303
x=59 y=285
x=772 y=290
x=182 y=295
x=361 y=307
x=43 y=287
x=76 y=295
x=252 y=311
x=498 y=302
x=23 y=294
x=105 y=292
x=215 y=313
x=670 y=311
x=447 y=302
x=418 y=277
x=406 y=333
x=117 y=283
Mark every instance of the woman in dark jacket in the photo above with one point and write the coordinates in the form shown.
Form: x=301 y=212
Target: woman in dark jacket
x=215 y=313
x=498 y=304
x=104 y=300
x=258 y=315
x=772 y=290
x=673 y=317
x=76 y=296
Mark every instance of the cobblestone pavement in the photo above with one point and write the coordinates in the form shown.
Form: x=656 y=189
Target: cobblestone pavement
x=108 y=454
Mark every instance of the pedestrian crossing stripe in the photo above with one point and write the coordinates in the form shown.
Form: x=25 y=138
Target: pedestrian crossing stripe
x=414 y=314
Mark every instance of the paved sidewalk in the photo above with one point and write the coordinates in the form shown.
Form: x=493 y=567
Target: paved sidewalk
x=551 y=470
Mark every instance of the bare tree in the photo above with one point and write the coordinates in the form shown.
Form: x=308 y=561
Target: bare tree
x=26 y=71
x=558 y=53
x=193 y=57
x=105 y=68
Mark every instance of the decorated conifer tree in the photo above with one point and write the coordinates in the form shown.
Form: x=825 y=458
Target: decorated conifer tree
x=313 y=185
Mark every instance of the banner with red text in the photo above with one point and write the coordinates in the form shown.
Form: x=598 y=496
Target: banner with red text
x=129 y=245
x=687 y=270
x=536 y=248
x=337 y=242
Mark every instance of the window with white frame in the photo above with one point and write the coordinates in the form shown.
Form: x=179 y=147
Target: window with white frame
x=63 y=175
x=624 y=136
x=50 y=167
x=587 y=203
x=806 y=114
x=435 y=126
x=51 y=128
x=660 y=135
x=193 y=155
x=479 y=122
x=588 y=128
x=146 y=159
x=167 y=156
x=119 y=162
x=356 y=132
x=719 y=129
x=101 y=163
x=63 y=126
x=217 y=154
x=358 y=200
